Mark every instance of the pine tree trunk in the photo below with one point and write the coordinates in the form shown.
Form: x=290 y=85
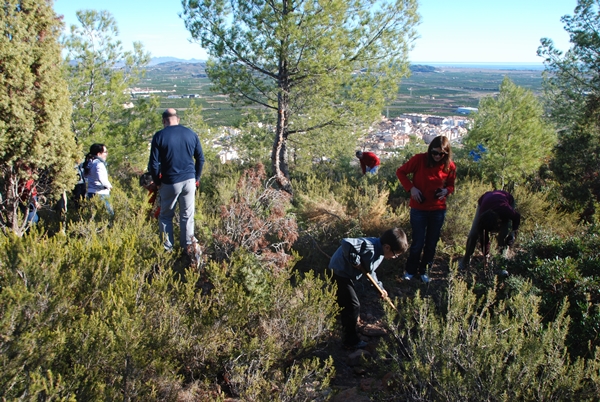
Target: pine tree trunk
x=279 y=157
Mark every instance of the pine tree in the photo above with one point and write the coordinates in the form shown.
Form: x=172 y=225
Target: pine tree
x=100 y=73
x=312 y=64
x=572 y=97
x=36 y=142
x=512 y=129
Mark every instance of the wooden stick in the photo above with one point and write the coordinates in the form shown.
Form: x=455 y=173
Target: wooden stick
x=386 y=297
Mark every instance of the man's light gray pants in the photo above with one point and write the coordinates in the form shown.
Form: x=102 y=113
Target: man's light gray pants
x=169 y=194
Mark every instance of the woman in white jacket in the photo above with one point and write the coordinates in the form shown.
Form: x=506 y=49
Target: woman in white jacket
x=97 y=175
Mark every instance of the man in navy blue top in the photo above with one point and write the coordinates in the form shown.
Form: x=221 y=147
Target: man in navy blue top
x=176 y=161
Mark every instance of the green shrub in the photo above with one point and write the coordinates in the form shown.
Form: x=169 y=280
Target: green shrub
x=461 y=207
x=485 y=349
x=96 y=313
x=564 y=268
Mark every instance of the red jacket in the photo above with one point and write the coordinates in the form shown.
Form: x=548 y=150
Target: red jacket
x=370 y=160
x=428 y=180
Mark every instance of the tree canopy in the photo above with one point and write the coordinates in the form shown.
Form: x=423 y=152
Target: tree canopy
x=572 y=95
x=313 y=64
x=36 y=142
x=514 y=133
x=101 y=75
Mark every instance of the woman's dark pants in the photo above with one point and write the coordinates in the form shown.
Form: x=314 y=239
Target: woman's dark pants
x=426 y=227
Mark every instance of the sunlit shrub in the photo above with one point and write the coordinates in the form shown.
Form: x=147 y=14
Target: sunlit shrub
x=485 y=349
x=97 y=314
x=330 y=210
x=538 y=212
x=460 y=211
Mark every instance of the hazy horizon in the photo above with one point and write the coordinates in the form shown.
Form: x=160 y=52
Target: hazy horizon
x=456 y=64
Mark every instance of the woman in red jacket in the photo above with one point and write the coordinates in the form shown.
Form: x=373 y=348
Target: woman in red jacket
x=433 y=175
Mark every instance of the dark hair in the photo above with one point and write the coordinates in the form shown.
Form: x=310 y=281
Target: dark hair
x=95 y=149
x=443 y=143
x=146 y=179
x=359 y=154
x=396 y=239
x=488 y=221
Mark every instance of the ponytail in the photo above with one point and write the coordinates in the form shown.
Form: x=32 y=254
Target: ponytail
x=87 y=163
x=95 y=149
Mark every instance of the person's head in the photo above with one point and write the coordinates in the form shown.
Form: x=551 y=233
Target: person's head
x=170 y=118
x=489 y=221
x=359 y=154
x=439 y=151
x=146 y=181
x=393 y=242
x=98 y=150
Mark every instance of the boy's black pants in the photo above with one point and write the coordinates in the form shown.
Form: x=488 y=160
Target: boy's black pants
x=348 y=301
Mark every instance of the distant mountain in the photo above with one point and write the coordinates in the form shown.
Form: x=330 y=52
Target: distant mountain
x=421 y=68
x=194 y=68
x=159 y=60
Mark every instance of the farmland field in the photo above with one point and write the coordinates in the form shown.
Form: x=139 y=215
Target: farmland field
x=439 y=92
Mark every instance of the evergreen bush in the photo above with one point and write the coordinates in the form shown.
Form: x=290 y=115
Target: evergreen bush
x=485 y=349
x=564 y=268
x=96 y=313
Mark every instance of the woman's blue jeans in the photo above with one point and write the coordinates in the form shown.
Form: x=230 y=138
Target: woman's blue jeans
x=106 y=199
x=426 y=227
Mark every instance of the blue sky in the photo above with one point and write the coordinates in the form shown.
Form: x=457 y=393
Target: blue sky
x=456 y=31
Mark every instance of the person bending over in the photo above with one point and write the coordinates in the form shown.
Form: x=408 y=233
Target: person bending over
x=352 y=258
x=495 y=214
x=369 y=162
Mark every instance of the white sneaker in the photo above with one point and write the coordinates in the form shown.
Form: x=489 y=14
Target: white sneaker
x=407 y=276
x=425 y=278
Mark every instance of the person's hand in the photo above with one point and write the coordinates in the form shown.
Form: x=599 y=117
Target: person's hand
x=197 y=183
x=416 y=194
x=384 y=293
x=441 y=193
